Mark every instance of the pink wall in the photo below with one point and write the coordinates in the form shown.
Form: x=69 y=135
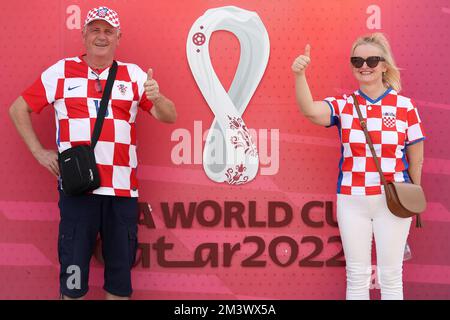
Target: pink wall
x=35 y=35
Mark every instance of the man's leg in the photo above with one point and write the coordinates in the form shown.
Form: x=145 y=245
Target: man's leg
x=110 y=296
x=78 y=228
x=119 y=245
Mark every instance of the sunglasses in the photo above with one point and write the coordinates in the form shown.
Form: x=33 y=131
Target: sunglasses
x=371 y=62
x=98 y=85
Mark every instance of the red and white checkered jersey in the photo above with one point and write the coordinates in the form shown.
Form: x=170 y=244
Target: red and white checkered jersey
x=70 y=85
x=393 y=124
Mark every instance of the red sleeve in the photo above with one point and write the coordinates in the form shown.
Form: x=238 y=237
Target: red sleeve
x=336 y=104
x=42 y=92
x=144 y=103
x=415 y=131
x=333 y=102
x=36 y=96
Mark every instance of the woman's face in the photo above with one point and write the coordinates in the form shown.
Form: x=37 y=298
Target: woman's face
x=365 y=74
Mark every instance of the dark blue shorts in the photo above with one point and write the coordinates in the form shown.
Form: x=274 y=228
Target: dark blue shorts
x=82 y=219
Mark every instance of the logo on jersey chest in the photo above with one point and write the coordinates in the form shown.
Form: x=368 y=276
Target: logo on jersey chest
x=122 y=89
x=389 y=119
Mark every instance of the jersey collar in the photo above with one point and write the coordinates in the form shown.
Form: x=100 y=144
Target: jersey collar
x=377 y=99
x=97 y=71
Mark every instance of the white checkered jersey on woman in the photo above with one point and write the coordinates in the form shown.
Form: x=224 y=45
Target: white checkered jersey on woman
x=397 y=133
x=73 y=87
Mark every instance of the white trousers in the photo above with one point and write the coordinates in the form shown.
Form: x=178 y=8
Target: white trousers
x=359 y=217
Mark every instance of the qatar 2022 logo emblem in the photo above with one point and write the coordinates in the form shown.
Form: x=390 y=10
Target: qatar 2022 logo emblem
x=230 y=154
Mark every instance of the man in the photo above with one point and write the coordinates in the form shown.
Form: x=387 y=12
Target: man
x=74 y=87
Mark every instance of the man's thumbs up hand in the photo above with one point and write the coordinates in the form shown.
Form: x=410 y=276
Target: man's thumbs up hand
x=150 y=74
x=151 y=87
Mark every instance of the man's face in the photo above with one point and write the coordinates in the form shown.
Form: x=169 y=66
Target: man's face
x=101 y=39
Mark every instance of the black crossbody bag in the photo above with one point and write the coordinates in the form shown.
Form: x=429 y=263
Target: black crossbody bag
x=77 y=165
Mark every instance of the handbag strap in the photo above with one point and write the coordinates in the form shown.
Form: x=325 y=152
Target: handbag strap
x=369 y=140
x=104 y=104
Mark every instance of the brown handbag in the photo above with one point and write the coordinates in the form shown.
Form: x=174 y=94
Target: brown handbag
x=403 y=199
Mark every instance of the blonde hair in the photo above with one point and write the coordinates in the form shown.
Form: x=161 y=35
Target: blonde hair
x=392 y=76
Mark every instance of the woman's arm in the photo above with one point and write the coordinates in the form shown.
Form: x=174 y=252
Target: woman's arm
x=317 y=112
x=415 y=159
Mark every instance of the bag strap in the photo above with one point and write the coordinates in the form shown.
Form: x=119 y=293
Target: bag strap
x=369 y=140
x=104 y=104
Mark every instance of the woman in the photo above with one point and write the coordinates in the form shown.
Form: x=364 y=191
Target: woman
x=396 y=130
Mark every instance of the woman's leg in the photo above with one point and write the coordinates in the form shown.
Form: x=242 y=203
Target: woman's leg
x=391 y=233
x=355 y=226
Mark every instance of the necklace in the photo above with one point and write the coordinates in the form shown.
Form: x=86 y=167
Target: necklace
x=97 y=68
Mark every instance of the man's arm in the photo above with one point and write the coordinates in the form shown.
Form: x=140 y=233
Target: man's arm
x=163 y=108
x=20 y=114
